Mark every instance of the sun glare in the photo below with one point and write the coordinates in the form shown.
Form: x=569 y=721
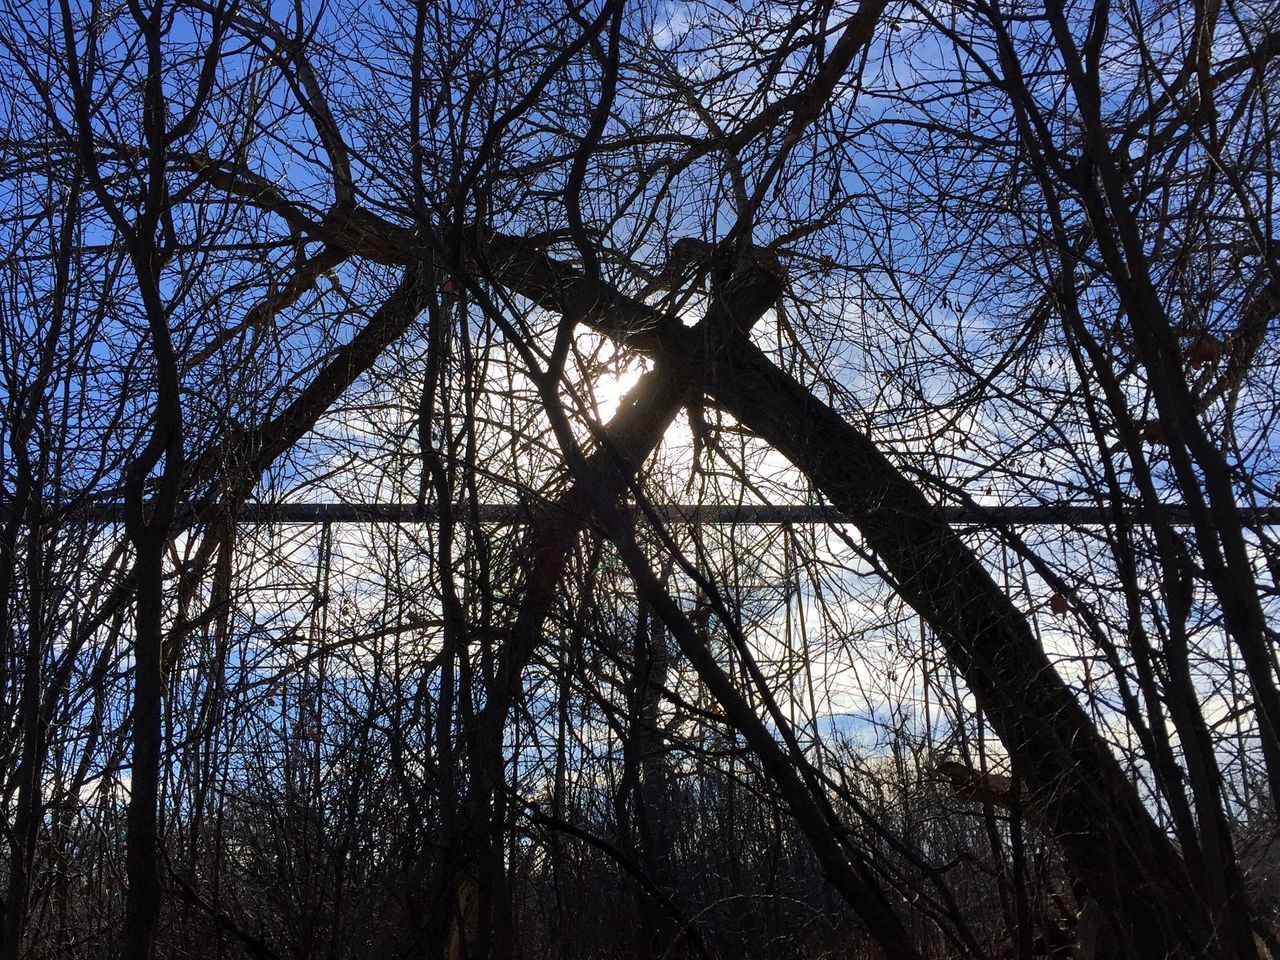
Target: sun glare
x=608 y=390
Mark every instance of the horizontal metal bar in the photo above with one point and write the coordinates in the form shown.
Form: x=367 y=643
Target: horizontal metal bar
x=723 y=514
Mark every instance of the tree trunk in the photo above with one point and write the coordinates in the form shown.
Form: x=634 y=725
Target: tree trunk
x=1092 y=809
x=1129 y=865
x=142 y=906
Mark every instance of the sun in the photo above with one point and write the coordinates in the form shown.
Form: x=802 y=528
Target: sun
x=608 y=390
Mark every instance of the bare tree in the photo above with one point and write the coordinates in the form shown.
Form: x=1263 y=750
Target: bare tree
x=911 y=261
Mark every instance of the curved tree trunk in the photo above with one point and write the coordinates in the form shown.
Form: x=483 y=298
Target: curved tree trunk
x=1106 y=833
